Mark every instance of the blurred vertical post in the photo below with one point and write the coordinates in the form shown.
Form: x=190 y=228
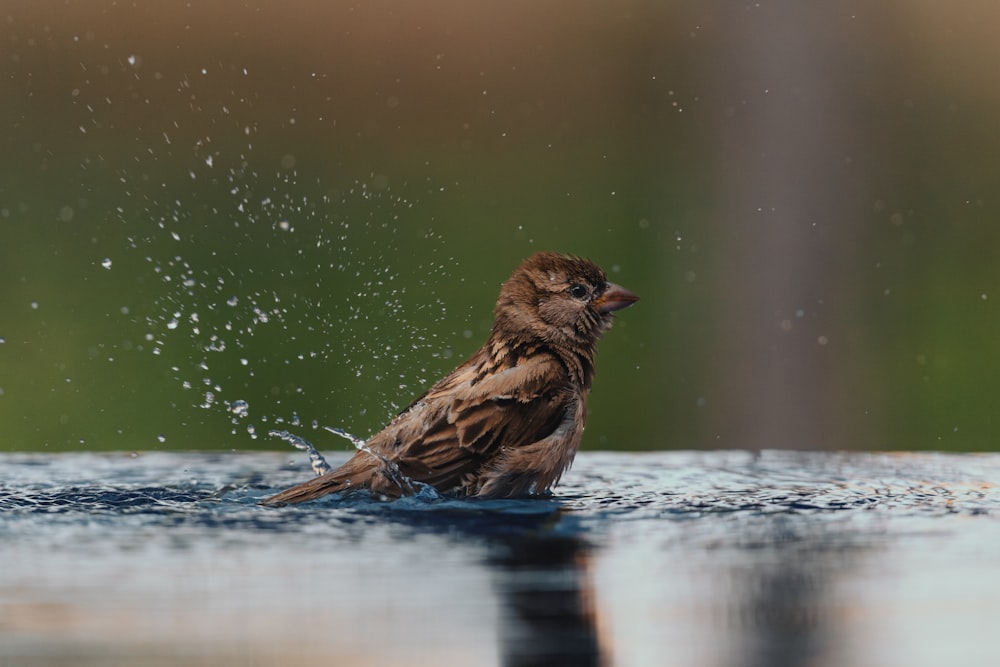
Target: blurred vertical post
x=786 y=133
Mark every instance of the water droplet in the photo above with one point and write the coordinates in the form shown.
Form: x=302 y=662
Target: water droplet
x=240 y=408
x=172 y=323
x=106 y=262
x=161 y=438
x=232 y=301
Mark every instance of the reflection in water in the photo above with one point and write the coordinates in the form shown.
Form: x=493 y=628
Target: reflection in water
x=782 y=617
x=784 y=606
x=547 y=597
x=739 y=590
x=541 y=573
x=686 y=560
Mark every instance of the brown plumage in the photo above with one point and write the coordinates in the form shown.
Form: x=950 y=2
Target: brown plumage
x=508 y=421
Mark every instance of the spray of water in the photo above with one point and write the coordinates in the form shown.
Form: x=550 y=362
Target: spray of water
x=321 y=298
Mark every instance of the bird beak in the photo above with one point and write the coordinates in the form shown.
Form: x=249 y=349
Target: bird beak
x=615 y=297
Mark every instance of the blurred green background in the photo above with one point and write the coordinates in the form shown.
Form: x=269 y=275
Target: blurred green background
x=309 y=206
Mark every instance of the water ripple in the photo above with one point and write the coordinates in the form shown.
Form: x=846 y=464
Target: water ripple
x=601 y=486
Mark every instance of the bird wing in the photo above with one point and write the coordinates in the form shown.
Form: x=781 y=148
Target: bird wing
x=467 y=419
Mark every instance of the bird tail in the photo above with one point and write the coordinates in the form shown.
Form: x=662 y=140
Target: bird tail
x=354 y=475
x=364 y=470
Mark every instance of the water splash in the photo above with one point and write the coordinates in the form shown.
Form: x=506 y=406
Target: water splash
x=316 y=460
x=315 y=310
x=358 y=443
x=240 y=408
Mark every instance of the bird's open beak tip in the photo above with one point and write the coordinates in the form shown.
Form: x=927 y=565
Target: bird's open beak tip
x=615 y=297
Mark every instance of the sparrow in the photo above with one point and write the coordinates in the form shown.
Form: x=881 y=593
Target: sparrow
x=507 y=422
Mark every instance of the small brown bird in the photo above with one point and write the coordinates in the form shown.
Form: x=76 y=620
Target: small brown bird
x=507 y=422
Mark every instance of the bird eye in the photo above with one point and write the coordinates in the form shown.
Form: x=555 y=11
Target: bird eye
x=578 y=291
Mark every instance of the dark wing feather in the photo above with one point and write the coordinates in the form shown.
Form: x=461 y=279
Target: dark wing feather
x=473 y=421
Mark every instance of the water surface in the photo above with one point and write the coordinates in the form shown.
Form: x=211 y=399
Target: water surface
x=688 y=559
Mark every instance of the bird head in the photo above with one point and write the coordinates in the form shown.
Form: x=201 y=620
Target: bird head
x=559 y=299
